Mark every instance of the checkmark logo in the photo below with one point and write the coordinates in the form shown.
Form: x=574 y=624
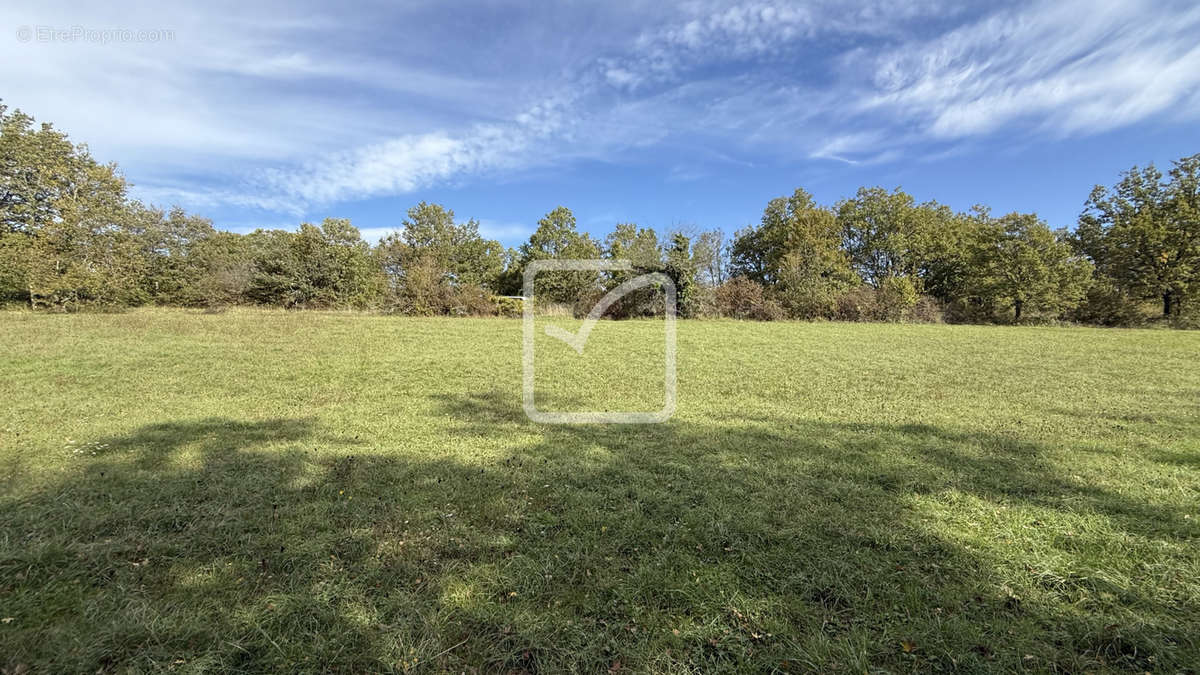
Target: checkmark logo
x=577 y=340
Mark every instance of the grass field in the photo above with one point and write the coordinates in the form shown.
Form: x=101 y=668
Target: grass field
x=266 y=491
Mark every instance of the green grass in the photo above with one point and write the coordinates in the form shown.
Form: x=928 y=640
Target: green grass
x=264 y=490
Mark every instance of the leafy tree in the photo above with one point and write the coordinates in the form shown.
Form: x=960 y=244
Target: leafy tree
x=709 y=255
x=86 y=261
x=80 y=247
x=1020 y=263
x=796 y=250
x=456 y=249
x=878 y=230
x=16 y=250
x=814 y=270
x=173 y=275
x=344 y=259
x=938 y=244
x=556 y=237
x=275 y=277
x=223 y=267
x=680 y=268
x=787 y=224
x=326 y=266
x=89 y=254
x=638 y=245
x=40 y=169
x=1144 y=233
x=749 y=253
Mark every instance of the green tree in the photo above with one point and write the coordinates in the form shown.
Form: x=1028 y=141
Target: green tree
x=173 y=273
x=353 y=278
x=878 y=231
x=1144 y=233
x=317 y=267
x=749 y=255
x=66 y=222
x=40 y=170
x=709 y=254
x=938 y=244
x=556 y=237
x=796 y=251
x=224 y=269
x=1020 y=263
x=456 y=249
x=16 y=249
x=681 y=269
x=638 y=245
x=276 y=272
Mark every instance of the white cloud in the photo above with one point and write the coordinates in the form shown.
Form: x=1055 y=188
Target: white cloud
x=372 y=235
x=257 y=110
x=504 y=232
x=1066 y=67
x=414 y=161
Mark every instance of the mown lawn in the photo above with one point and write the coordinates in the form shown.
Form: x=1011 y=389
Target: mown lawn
x=263 y=490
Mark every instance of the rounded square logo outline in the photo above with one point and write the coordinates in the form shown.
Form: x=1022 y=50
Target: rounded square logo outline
x=527 y=331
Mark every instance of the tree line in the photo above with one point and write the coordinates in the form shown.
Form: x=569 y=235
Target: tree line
x=71 y=239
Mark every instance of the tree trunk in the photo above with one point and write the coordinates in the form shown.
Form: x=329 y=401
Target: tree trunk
x=1167 y=304
x=1017 y=308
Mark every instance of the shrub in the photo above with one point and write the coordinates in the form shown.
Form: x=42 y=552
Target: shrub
x=927 y=310
x=471 y=300
x=1188 y=317
x=509 y=306
x=741 y=298
x=857 y=304
x=422 y=291
x=704 y=302
x=1106 y=305
x=642 y=302
x=895 y=299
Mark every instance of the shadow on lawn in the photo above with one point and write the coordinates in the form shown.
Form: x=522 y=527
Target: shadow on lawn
x=755 y=545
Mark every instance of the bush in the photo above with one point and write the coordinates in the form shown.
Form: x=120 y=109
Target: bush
x=509 y=307
x=811 y=301
x=422 y=292
x=1106 y=305
x=704 y=302
x=423 y=297
x=741 y=298
x=1188 y=318
x=857 y=304
x=895 y=299
x=471 y=300
x=927 y=310
x=643 y=302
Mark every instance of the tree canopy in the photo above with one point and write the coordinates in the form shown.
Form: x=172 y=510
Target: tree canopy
x=71 y=238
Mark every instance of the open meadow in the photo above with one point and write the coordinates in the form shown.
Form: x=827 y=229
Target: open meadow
x=261 y=490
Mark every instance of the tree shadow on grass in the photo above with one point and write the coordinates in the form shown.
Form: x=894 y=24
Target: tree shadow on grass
x=733 y=545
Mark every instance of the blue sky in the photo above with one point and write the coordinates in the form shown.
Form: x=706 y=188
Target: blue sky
x=668 y=115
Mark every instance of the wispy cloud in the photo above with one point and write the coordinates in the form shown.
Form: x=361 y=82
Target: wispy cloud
x=281 y=115
x=1065 y=67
